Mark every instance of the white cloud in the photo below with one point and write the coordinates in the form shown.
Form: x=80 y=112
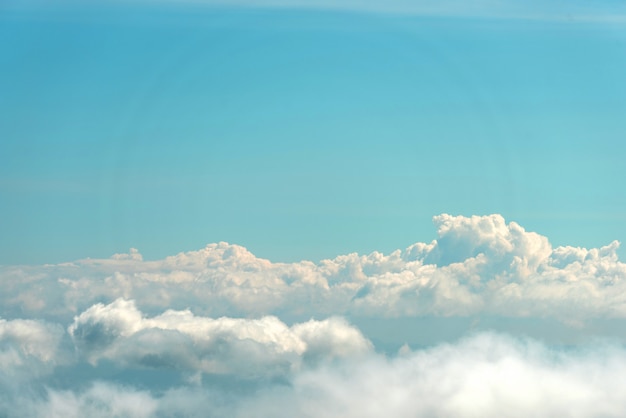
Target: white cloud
x=487 y=375
x=478 y=265
x=29 y=352
x=248 y=348
x=484 y=376
x=325 y=368
x=28 y=348
x=101 y=400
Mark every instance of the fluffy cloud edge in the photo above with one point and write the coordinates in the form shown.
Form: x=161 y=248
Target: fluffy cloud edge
x=477 y=265
x=486 y=375
x=179 y=340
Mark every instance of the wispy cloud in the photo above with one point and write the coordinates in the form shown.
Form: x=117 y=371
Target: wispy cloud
x=605 y=11
x=564 y=10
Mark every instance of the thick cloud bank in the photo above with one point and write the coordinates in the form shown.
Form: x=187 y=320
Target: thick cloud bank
x=221 y=333
x=483 y=376
x=478 y=265
x=179 y=340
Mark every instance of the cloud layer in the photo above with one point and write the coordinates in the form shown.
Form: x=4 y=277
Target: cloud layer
x=219 y=332
x=486 y=375
x=478 y=265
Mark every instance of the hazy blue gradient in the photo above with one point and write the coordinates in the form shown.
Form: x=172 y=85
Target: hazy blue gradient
x=299 y=133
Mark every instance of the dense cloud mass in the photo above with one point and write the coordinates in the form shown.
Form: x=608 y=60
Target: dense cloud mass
x=477 y=265
x=486 y=375
x=180 y=340
x=28 y=348
x=219 y=332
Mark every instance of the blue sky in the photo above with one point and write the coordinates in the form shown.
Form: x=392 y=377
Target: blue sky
x=482 y=139
x=303 y=134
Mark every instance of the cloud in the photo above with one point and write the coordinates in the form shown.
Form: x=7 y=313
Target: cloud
x=461 y=238
x=484 y=376
x=487 y=375
x=28 y=348
x=101 y=400
x=30 y=351
x=479 y=265
x=240 y=367
x=179 y=340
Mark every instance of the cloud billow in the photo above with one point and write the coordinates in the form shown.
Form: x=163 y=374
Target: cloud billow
x=180 y=340
x=220 y=332
x=486 y=375
x=477 y=265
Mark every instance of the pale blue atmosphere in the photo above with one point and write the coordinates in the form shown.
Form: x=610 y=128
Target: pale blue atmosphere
x=312 y=208
x=302 y=134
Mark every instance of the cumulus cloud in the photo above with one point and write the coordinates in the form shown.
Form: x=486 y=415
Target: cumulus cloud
x=477 y=265
x=180 y=340
x=487 y=375
x=223 y=333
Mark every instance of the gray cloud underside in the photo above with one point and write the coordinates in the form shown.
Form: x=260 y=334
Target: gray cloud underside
x=478 y=265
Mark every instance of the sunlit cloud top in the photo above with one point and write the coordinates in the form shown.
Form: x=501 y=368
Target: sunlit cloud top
x=478 y=265
x=214 y=329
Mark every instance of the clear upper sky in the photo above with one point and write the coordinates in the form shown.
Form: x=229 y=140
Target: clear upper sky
x=305 y=133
